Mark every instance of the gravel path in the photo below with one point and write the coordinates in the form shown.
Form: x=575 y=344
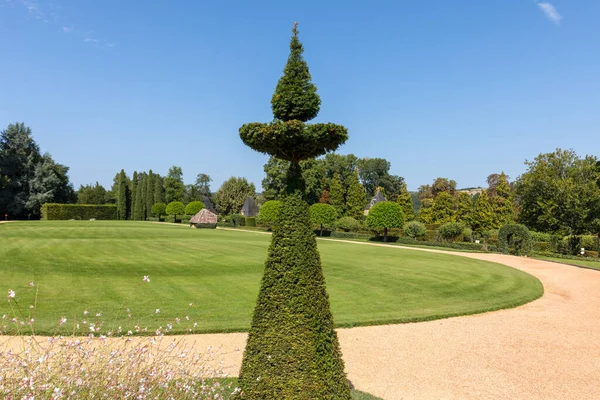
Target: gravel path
x=547 y=349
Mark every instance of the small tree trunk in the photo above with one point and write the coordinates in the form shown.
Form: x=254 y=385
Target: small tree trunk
x=321 y=233
x=385 y=234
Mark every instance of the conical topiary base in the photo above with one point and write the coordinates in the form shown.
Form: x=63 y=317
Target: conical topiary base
x=292 y=350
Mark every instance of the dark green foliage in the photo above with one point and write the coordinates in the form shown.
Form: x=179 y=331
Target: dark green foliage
x=295 y=96
x=516 y=237
x=149 y=193
x=293 y=140
x=53 y=211
x=194 y=207
x=275 y=177
x=123 y=197
x=451 y=232
x=348 y=224
x=159 y=209
x=175 y=208
x=323 y=216
x=159 y=191
x=133 y=191
x=251 y=221
x=269 y=212
x=355 y=197
x=140 y=201
x=173 y=183
x=414 y=229
x=559 y=192
x=89 y=194
x=238 y=220
x=374 y=173
x=385 y=215
x=292 y=350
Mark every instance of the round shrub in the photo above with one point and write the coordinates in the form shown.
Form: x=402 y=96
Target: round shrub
x=250 y=221
x=269 y=212
x=159 y=209
x=348 y=224
x=385 y=215
x=175 y=208
x=451 y=232
x=194 y=207
x=322 y=215
x=238 y=220
x=414 y=229
x=516 y=236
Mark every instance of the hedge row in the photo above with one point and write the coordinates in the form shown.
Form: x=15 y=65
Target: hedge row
x=55 y=211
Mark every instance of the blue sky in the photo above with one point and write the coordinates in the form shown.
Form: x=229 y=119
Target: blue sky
x=458 y=89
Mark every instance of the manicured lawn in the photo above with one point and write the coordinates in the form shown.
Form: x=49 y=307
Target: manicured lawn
x=576 y=262
x=98 y=266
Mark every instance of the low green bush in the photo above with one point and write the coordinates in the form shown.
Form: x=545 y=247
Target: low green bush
x=451 y=232
x=514 y=238
x=237 y=220
x=348 y=224
x=414 y=229
x=467 y=235
x=251 y=221
x=55 y=211
x=351 y=235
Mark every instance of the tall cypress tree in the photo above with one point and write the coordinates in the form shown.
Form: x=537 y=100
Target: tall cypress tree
x=159 y=190
x=149 y=193
x=133 y=189
x=483 y=214
x=356 y=199
x=140 y=202
x=464 y=204
x=336 y=194
x=293 y=350
x=123 y=197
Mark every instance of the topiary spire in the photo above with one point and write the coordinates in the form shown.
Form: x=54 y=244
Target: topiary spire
x=293 y=352
x=295 y=96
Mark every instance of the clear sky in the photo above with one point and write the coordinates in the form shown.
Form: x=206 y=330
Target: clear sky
x=458 y=89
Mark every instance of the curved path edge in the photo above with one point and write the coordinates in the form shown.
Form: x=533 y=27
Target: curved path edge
x=545 y=349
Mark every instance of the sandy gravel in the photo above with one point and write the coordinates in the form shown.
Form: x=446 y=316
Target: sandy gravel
x=547 y=349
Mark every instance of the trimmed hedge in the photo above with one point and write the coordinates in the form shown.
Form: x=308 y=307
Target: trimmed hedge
x=251 y=221
x=55 y=211
x=238 y=220
x=514 y=236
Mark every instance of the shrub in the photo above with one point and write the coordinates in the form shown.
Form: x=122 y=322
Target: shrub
x=451 y=232
x=251 y=221
x=516 y=236
x=175 y=208
x=194 y=207
x=414 y=229
x=54 y=211
x=159 y=209
x=238 y=220
x=385 y=215
x=348 y=224
x=269 y=212
x=322 y=215
x=467 y=234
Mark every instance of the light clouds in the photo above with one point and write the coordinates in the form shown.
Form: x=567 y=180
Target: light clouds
x=35 y=9
x=550 y=12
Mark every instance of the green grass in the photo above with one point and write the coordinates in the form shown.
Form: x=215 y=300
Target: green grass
x=577 y=262
x=99 y=265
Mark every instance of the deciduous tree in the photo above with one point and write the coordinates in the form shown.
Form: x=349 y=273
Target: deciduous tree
x=232 y=194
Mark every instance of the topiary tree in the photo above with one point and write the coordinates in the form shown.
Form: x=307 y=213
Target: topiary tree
x=292 y=350
x=269 y=212
x=322 y=215
x=348 y=224
x=385 y=215
x=159 y=209
x=414 y=229
x=194 y=207
x=175 y=208
x=516 y=236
